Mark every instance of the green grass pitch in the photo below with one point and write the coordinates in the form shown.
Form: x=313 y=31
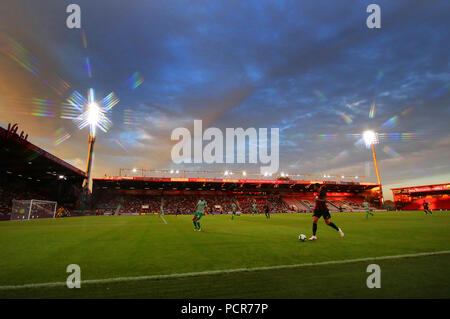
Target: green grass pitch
x=39 y=251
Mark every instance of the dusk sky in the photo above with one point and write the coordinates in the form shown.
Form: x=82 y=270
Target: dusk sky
x=310 y=68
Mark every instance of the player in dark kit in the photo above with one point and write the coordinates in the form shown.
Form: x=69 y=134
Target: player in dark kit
x=267 y=211
x=321 y=210
x=426 y=209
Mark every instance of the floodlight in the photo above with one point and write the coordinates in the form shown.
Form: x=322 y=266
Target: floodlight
x=370 y=138
x=93 y=113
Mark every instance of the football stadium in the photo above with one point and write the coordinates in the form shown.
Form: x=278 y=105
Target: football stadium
x=134 y=238
x=224 y=150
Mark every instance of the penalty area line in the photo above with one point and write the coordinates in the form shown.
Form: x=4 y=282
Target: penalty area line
x=223 y=271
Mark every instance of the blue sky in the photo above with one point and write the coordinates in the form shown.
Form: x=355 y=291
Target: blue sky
x=310 y=68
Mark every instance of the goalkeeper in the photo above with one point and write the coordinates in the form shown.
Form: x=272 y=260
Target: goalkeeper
x=198 y=214
x=60 y=212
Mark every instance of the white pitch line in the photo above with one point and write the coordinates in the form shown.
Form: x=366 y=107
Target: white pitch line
x=163 y=219
x=224 y=271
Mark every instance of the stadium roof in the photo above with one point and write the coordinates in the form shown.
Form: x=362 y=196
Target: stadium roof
x=24 y=159
x=422 y=189
x=218 y=184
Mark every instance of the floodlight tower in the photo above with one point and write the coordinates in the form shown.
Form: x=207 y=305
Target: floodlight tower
x=88 y=112
x=370 y=139
x=92 y=117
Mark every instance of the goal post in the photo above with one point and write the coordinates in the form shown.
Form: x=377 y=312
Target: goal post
x=33 y=209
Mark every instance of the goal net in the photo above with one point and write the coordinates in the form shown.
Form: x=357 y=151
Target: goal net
x=33 y=209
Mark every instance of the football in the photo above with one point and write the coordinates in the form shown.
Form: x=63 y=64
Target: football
x=302 y=237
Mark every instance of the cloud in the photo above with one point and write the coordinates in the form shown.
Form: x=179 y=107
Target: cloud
x=311 y=69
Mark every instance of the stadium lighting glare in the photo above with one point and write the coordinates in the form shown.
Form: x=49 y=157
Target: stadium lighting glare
x=171 y=171
x=226 y=173
x=134 y=170
x=93 y=113
x=244 y=173
x=177 y=171
x=370 y=138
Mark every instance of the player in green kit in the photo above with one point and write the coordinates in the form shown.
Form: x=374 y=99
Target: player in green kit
x=255 y=209
x=198 y=214
x=367 y=208
x=233 y=208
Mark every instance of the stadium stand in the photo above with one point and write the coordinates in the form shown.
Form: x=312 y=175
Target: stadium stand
x=29 y=172
x=135 y=195
x=123 y=203
x=412 y=198
x=33 y=173
x=434 y=203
